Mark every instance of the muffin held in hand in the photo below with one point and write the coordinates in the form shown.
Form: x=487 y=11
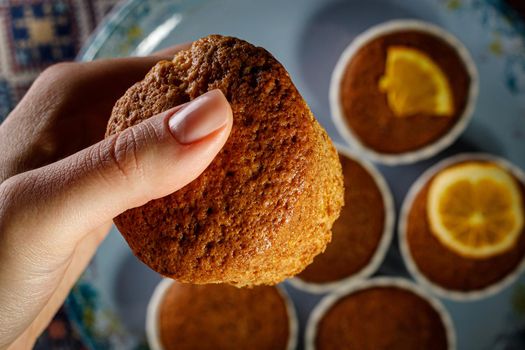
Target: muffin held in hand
x=264 y=207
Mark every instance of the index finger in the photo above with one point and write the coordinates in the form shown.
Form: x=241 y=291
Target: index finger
x=172 y=50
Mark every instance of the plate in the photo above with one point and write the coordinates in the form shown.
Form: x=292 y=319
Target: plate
x=108 y=305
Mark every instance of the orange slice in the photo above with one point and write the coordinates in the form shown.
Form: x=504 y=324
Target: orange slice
x=475 y=209
x=415 y=84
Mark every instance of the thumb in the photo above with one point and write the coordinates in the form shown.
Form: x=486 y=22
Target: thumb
x=147 y=161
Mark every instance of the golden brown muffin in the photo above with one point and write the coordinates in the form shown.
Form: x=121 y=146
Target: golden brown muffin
x=448 y=269
x=223 y=317
x=365 y=107
x=265 y=206
x=356 y=233
x=381 y=318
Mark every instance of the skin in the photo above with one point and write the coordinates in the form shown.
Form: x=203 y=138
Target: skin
x=61 y=183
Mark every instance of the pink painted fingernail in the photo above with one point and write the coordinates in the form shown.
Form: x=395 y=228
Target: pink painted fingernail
x=200 y=117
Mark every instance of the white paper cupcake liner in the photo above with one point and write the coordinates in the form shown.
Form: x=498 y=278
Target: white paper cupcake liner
x=328 y=301
x=429 y=150
x=383 y=245
x=402 y=227
x=152 y=330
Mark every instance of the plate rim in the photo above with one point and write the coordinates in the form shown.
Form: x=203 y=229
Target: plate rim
x=124 y=9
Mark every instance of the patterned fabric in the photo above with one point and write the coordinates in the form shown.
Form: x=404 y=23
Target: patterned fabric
x=35 y=34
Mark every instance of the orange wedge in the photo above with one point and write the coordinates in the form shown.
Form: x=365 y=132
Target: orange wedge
x=415 y=84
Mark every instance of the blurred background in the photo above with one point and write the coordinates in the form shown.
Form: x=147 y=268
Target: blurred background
x=35 y=34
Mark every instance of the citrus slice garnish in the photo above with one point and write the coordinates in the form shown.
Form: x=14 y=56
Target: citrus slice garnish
x=475 y=209
x=415 y=84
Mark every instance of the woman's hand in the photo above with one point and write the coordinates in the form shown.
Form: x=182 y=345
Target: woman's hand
x=60 y=189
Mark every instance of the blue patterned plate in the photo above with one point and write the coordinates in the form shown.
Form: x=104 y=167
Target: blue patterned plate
x=108 y=305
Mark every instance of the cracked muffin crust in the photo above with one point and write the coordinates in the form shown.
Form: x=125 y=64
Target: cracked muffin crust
x=264 y=207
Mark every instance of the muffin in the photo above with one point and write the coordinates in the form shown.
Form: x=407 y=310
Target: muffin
x=402 y=91
x=382 y=313
x=183 y=316
x=265 y=206
x=462 y=226
x=362 y=233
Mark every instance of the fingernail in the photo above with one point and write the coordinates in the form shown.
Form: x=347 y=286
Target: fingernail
x=200 y=117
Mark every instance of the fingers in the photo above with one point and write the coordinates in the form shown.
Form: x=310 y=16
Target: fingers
x=147 y=161
x=48 y=215
x=127 y=68
x=169 y=52
x=126 y=71
x=66 y=109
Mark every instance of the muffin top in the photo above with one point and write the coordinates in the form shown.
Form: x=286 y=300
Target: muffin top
x=366 y=109
x=449 y=268
x=381 y=318
x=356 y=233
x=278 y=174
x=195 y=317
